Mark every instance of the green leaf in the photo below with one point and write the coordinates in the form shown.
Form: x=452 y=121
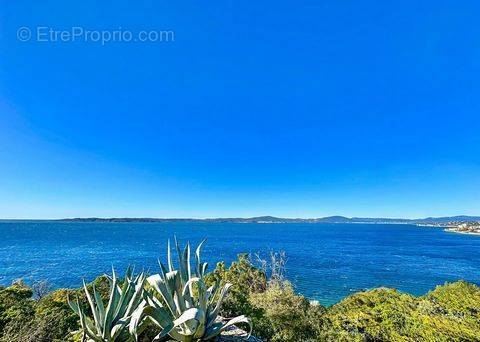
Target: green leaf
x=213 y=315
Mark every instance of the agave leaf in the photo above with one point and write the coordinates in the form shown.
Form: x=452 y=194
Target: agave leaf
x=186 y=263
x=165 y=331
x=174 y=284
x=169 y=257
x=202 y=296
x=137 y=297
x=212 y=330
x=88 y=327
x=202 y=301
x=125 y=292
x=202 y=323
x=136 y=319
x=186 y=294
x=181 y=260
x=114 y=276
x=160 y=316
x=128 y=272
x=112 y=303
x=124 y=299
x=187 y=285
x=75 y=306
x=212 y=291
x=154 y=301
x=93 y=307
x=144 y=324
x=187 y=266
x=160 y=286
x=217 y=329
x=164 y=269
x=100 y=306
x=213 y=315
x=192 y=314
x=197 y=258
x=117 y=329
x=173 y=281
x=204 y=268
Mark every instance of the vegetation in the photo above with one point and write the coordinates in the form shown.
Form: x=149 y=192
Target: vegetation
x=26 y=318
x=448 y=313
x=111 y=322
x=180 y=302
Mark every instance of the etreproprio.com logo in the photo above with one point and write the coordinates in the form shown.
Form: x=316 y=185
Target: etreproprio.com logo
x=80 y=34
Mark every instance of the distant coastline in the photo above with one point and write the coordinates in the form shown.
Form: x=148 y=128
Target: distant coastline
x=467 y=227
x=454 y=230
x=444 y=222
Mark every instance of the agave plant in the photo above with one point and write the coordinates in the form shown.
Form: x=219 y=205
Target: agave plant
x=181 y=304
x=110 y=323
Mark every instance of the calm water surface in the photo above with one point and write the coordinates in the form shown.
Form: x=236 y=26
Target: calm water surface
x=325 y=261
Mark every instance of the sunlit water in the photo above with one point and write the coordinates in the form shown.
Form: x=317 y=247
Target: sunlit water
x=325 y=261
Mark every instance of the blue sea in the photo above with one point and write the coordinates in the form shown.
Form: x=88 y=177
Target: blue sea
x=326 y=262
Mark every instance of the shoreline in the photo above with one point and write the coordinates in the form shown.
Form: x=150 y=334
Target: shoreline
x=466 y=232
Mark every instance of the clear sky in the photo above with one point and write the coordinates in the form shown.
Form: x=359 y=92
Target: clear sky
x=286 y=108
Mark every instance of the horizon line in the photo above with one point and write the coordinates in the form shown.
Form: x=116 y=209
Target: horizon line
x=228 y=217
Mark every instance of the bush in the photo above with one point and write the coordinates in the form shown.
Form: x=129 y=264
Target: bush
x=16 y=307
x=48 y=319
x=246 y=279
x=381 y=314
x=277 y=313
x=287 y=316
x=449 y=313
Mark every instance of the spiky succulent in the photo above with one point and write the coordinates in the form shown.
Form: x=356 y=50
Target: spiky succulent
x=181 y=304
x=110 y=323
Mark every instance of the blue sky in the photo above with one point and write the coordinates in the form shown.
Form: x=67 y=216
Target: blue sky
x=306 y=108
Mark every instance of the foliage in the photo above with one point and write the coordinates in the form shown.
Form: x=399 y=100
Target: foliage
x=381 y=314
x=277 y=313
x=246 y=279
x=41 y=289
x=110 y=322
x=16 y=307
x=449 y=313
x=187 y=310
x=289 y=316
x=48 y=319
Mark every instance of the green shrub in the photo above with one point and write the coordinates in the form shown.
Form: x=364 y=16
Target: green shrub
x=449 y=313
x=288 y=316
x=48 y=319
x=277 y=313
x=246 y=279
x=381 y=314
x=16 y=308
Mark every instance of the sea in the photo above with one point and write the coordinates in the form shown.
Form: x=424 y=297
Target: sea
x=324 y=262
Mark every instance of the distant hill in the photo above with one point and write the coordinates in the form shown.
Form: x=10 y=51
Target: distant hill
x=273 y=219
x=450 y=219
